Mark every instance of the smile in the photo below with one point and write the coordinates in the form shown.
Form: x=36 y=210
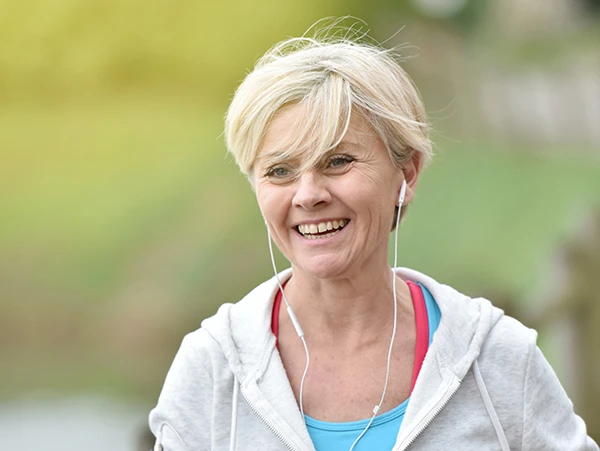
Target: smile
x=322 y=229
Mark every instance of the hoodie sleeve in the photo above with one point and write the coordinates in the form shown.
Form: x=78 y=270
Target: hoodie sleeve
x=549 y=421
x=179 y=420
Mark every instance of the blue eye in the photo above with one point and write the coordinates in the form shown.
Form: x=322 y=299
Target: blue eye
x=341 y=161
x=278 y=171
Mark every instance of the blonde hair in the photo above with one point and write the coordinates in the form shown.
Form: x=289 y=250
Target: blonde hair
x=331 y=77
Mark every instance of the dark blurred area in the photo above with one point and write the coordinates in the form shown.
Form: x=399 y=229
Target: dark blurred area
x=122 y=219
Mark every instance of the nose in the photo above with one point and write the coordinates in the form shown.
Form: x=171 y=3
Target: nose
x=311 y=191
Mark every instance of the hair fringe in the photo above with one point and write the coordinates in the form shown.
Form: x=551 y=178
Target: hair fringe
x=296 y=69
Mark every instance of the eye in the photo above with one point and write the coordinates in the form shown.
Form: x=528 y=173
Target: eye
x=278 y=172
x=340 y=161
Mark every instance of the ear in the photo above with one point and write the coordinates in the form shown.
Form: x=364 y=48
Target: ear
x=411 y=170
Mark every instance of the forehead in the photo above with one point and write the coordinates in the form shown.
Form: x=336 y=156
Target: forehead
x=296 y=133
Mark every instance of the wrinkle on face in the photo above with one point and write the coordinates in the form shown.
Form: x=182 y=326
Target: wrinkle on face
x=365 y=191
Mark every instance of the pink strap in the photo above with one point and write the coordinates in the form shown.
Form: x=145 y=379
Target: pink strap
x=422 y=324
x=275 y=316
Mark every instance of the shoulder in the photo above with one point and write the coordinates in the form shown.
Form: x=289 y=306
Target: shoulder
x=237 y=336
x=511 y=333
x=508 y=348
x=201 y=347
x=195 y=362
x=474 y=329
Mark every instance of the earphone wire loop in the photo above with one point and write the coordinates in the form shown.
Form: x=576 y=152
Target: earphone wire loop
x=389 y=358
x=294 y=320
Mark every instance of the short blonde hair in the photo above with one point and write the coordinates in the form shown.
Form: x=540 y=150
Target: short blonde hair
x=330 y=78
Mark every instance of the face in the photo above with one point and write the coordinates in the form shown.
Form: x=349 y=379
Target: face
x=335 y=218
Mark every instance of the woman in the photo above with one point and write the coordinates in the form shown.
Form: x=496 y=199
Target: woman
x=332 y=136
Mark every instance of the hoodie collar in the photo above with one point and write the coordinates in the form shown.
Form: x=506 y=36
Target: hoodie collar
x=244 y=332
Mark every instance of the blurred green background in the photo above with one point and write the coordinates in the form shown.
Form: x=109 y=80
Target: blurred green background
x=124 y=223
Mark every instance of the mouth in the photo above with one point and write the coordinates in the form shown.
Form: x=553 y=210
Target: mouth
x=320 y=230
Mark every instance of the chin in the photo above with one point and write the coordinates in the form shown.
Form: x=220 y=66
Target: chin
x=323 y=267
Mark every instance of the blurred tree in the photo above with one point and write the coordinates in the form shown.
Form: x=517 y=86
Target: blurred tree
x=592 y=5
x=470 y=17
x=578 y=305
x=463 y=14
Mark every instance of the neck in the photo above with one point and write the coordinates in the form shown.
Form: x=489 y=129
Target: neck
x=350 y=310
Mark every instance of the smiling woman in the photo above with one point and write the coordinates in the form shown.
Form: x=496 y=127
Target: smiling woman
x=332 y=136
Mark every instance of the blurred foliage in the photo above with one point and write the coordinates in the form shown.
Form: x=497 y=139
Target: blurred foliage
x=66 y=46
x=124 y=223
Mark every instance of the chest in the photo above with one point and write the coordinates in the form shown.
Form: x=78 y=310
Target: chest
x=345 y=386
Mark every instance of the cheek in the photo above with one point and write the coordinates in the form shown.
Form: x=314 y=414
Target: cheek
x=372 y=193
x=377 y=201
x=272 y=206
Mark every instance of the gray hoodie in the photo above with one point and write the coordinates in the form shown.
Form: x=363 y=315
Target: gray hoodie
x=484 y=385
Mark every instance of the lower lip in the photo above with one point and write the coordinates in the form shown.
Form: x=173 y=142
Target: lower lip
x=321 y=240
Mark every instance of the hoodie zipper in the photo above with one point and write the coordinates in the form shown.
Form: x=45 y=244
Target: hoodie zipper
x=429 y=417
x=264 y=420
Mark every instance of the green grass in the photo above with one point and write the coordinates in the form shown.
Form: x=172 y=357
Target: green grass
x=124 y=223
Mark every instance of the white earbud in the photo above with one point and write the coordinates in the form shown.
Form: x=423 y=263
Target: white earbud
x=402 y=194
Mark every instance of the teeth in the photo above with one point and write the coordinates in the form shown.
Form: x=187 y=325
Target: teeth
x=308 y=230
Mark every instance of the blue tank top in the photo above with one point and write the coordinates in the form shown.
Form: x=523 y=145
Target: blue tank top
x=382 y=433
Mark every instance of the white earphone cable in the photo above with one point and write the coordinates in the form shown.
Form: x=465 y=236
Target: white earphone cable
x=389 y=357
x=295 y=322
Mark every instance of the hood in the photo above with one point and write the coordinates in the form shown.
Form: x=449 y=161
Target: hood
x=243 y=330
x=464 y=327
